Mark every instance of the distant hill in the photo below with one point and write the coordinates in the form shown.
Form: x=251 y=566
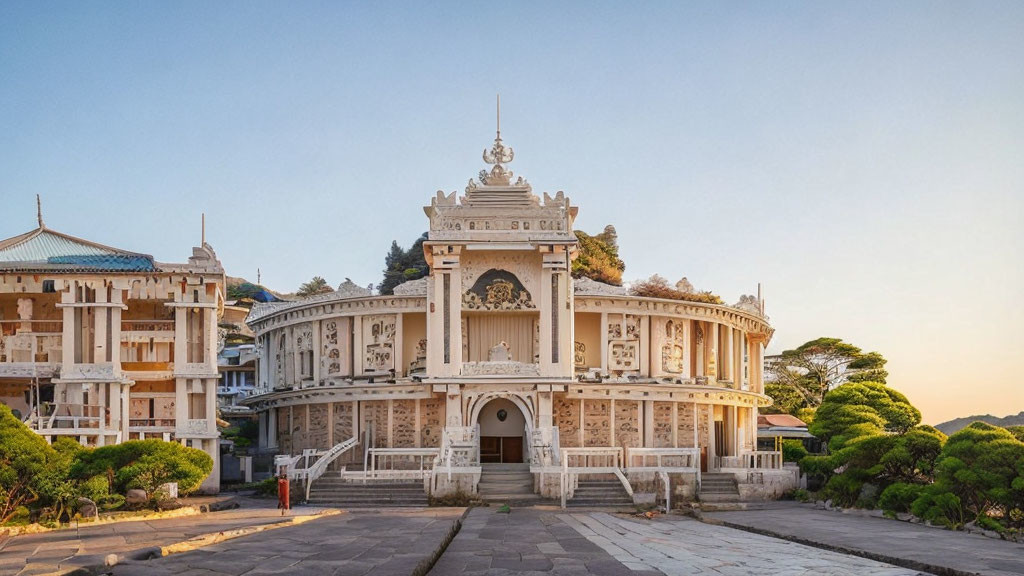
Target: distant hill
x=955 y=425
x=233 y=282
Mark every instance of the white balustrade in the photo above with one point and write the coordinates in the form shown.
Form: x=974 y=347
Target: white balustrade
x=663 y=459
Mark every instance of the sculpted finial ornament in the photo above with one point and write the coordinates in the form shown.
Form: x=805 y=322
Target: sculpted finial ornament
x=498 y=154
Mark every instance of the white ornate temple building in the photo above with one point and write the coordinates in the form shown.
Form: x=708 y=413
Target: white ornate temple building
x=499 y=357
x=105 y=345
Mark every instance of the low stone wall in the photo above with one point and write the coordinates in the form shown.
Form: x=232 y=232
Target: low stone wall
x=465 y=483
x=648 y=488
x=766 y=484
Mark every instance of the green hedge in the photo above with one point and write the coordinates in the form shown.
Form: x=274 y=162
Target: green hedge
x=145 y=464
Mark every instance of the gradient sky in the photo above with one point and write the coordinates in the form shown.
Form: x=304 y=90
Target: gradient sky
x=864 y=161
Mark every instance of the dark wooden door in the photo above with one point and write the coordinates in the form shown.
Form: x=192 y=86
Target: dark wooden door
x=720 y=439
x=511 y=450
x=490 y=449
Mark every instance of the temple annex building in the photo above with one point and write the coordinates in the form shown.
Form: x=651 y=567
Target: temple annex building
x=500 y=375
x=104 y=345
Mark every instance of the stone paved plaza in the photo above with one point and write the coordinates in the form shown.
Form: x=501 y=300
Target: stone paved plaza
x=541 y=540
x=531 y=541
x=350 y=544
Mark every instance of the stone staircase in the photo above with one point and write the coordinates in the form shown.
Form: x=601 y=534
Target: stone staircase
x=507 y=483
x=718 y=487
x=334 y=492
x=604 y=491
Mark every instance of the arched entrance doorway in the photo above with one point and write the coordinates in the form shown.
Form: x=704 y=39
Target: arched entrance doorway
x=502 y=432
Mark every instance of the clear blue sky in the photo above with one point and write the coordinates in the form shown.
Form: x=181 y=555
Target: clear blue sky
x=865 y=161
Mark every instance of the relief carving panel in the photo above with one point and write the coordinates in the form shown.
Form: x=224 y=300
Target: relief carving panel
x=379 y=343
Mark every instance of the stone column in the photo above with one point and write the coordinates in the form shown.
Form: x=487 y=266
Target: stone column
x=648 y=408
x=68 y=335
x=453 y=406
x=645 y=346
x=687 y=347
x=99 y=318
x=399 y=346
x=545 y=399
x=115 y=328
x=604 y=342
x=358 y=350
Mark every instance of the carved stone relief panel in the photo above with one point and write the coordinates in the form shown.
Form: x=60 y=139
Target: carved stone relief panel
x=497 y=290
x=623 y=356
x=317 y=436
x=627 y=423
x=685 y=424
x=304 y=338
x=672 y=354
x=374 y=414
x=335 y=339
x=379 y=343
x=579 y=358
x=404 y=422
x=597 y=422
x=431 y=421
x=662 y=424
x=419 y=363
x=623 y=342
x=566 y=416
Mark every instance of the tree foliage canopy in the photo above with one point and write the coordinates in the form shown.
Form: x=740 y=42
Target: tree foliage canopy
x=23 y=457
x=598 y=258
x=982 y=468
x=403 y=265
x=316 y=285
x=820 y=365
x=860 y=409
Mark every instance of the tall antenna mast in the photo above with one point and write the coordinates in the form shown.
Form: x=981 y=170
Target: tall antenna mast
x=499 y=116
x=203 y=238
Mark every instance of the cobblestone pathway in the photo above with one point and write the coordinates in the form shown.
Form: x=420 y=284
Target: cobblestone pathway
x=684 y=546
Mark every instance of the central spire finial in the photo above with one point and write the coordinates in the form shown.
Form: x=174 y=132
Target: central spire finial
x=39 y=211
x=498 y=154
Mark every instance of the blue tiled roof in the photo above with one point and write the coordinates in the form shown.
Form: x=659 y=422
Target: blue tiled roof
x=44 y=249
x=124 y=262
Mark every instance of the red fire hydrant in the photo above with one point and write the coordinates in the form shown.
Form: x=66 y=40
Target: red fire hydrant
x=283 y=499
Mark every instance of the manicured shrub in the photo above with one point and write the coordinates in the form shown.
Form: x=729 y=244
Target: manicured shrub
x=980 y=468
x=793 y=451
x=940 y=507
x=899 y=497
x=146 y=464
x=95 y=488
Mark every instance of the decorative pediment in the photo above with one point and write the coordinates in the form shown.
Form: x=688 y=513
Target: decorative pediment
x=497 y=290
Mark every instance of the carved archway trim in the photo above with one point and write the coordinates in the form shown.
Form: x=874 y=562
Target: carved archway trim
x=523 y=401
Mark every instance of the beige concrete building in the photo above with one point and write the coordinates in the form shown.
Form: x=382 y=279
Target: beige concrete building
x=104 y=345
x=499 y=359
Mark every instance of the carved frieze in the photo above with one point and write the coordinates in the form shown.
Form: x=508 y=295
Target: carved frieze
x=499 y=369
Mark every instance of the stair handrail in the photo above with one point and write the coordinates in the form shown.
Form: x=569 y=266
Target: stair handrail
x=366 y=447
x=324 y=460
